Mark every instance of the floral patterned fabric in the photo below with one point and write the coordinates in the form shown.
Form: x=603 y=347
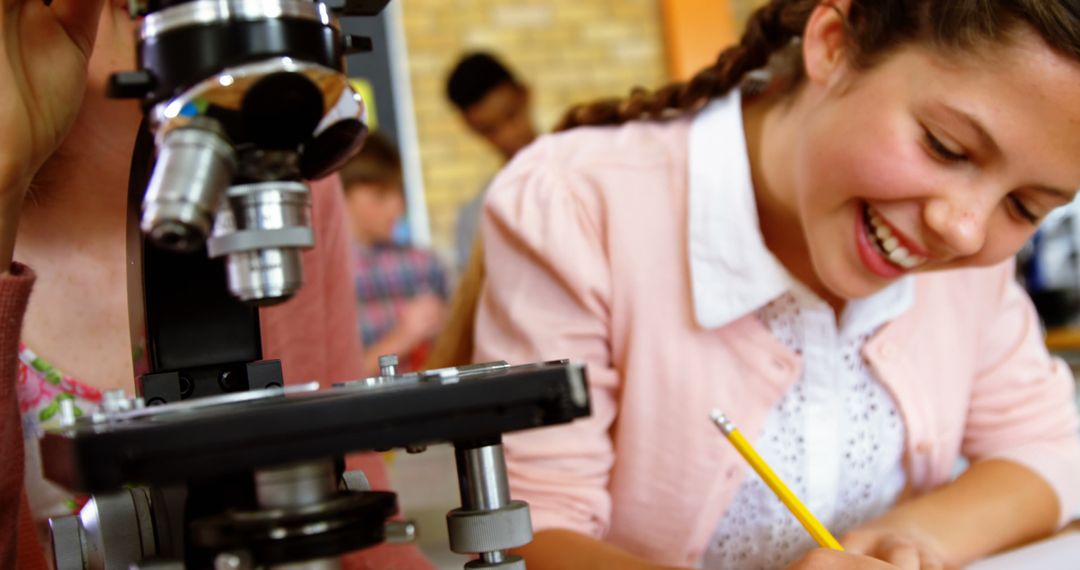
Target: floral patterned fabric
x=41 y=388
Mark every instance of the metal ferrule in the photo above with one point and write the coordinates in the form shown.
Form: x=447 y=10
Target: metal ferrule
x=722 y=422
x=209 y=12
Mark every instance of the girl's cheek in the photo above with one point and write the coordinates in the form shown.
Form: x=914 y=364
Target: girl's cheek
x=901 y=173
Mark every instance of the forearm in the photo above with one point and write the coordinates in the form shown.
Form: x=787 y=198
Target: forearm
x=994 y=505
x=568 y=550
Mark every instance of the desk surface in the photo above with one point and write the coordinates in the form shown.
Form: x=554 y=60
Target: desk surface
x=1059 y=552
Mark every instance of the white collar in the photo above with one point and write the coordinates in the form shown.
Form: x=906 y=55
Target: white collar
x=732 y=271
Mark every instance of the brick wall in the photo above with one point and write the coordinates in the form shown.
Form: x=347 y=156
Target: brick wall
x=567 y=51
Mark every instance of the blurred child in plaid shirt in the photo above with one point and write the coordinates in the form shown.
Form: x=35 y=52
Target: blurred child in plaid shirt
x=401 y=290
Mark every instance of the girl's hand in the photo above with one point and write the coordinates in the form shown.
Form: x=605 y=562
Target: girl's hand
x=43 y=57
x=878 y=546
x=44 y=53
x=904 y=548
x=828 y=559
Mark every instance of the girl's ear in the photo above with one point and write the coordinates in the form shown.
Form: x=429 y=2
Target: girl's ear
x=825 y=42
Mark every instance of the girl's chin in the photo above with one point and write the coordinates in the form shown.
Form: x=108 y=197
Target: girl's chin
x=855 y=288
x=846 y=284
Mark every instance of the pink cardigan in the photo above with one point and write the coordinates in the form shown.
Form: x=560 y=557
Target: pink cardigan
x=586 y=250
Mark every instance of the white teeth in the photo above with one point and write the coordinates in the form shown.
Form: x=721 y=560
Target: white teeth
x=890 y=245
x=909 y=263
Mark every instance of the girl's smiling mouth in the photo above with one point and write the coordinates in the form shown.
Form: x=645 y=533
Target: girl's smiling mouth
x=890 y=252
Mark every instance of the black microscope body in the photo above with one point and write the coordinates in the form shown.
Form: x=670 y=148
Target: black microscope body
x=216 y=463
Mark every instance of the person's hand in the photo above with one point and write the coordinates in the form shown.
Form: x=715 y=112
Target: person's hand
x=44 y=51
x=906 y=548
x=878 y=546
x=422 y=317
x=828 y=559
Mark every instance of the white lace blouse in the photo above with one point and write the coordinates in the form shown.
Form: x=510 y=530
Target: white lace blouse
x=836 y=438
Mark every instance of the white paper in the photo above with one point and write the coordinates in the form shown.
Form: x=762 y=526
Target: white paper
x=1061 y=552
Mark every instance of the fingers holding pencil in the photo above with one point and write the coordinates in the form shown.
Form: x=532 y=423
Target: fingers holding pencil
x=828 y=559
x=871 y=549
x=894 y=546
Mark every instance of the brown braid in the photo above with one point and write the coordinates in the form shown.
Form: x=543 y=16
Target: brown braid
x=768 y=30
x=875 y=29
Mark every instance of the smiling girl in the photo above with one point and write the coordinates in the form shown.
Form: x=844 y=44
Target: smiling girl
x=814 y=235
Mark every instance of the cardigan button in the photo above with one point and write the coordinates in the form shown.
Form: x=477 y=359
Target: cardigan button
x=924 y=446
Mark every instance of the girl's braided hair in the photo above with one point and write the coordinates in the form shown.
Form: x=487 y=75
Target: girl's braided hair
x=876 y=27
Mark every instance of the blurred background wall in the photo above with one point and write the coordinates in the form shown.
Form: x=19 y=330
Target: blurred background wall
x=566 y=51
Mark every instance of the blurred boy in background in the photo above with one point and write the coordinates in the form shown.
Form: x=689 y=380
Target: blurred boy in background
x=496 y=107
x=400 y=290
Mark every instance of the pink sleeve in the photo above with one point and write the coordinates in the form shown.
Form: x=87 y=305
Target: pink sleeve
x=19 y=546
x=1023 y=406
x=546 y=297
x=343 y=346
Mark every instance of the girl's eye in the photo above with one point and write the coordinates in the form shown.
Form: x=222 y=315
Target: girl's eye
x=1022 y=210
x=941 y=151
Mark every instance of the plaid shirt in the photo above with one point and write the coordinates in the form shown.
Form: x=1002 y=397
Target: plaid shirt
x=385 y=278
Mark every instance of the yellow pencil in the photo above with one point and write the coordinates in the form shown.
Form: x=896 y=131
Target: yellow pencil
x=817 y=530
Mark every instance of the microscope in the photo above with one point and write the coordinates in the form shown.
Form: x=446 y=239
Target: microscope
x=216 y=463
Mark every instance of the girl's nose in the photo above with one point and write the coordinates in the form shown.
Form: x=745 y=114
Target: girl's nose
x=959 y=227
